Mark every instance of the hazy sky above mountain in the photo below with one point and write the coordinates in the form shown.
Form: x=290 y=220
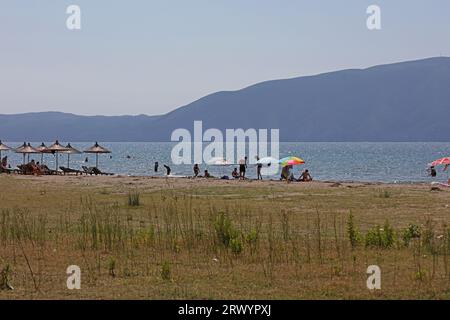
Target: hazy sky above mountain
x=150 y=57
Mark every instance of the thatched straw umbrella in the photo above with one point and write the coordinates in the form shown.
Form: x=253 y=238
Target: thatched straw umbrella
x=55 y=149
x=26 y=149
x=3 y=147
x=70 y=150
x=42 y=149
x=97 y=149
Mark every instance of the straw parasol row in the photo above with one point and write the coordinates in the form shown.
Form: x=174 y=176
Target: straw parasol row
x=56 y=148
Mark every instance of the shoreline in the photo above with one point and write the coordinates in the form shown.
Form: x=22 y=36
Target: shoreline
x=183 y=180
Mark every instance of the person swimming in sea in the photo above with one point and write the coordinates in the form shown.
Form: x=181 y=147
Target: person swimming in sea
x=156 y=166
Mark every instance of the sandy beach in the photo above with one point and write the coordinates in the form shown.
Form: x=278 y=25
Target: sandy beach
x=182 y=238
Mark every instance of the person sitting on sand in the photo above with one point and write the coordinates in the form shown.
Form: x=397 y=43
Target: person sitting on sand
x=207 y=174
x=235 y=174
x=5 y=162
x=196 y=170
x=36 y=170
x=168 y=170
x=305 y=177
x=286 y=174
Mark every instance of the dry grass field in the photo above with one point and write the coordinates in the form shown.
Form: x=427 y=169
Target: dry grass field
x=149 y=238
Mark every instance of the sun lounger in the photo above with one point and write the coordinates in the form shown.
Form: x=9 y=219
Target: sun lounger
x=8 y=170
x=96 y=171
x=69 y=171
x=25 y=169
x=87 y=170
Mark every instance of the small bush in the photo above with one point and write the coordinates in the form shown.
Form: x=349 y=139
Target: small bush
x=428 y=237
x=166 y=273
x=225 y=230
x=411 y=232
x=252 y=237
x=112 y=267
x=236 y=246
x=146 y=236
x=5 y=275
x=134 y=199
x=380 y=237
x=352 y=232
x=385 y=194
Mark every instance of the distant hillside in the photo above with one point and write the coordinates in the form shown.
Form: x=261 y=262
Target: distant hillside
x=49 y=126
x=406 y=101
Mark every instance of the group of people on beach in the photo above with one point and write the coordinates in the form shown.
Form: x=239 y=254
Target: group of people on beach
x=32 y=167
x=286 y=173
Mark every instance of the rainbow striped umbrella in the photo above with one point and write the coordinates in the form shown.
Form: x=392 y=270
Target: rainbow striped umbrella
x=443 y=161
x=291 y=161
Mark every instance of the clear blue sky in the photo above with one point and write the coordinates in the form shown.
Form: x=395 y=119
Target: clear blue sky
x=150 y=57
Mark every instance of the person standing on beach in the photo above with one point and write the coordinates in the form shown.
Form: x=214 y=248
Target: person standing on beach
x=432 y=171
x=168 y=170
x=242 y=168
x=196 y=170
x=156 y=166
x=258 y=169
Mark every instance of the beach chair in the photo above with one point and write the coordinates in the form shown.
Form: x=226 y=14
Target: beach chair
x=70 y=171
x=87 y=171
x=7 y=170
x=25 y=169
x=96 y=171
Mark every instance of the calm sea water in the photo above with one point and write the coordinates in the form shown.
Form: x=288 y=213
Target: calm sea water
x=341 y=161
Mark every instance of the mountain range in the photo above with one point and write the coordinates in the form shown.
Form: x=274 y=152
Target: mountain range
x=406 y=101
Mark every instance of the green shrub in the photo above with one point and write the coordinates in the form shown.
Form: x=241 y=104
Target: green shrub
x=225 y=230
x=352 y=232
x=145 y=236
x=428 y=237
x=236 y=246
x=411 y=232
x=166 y=273
x=112 y=267
x=380 y=237
x=134 y=199
x=5 y=275
x=385 y=194
x=252 y=237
